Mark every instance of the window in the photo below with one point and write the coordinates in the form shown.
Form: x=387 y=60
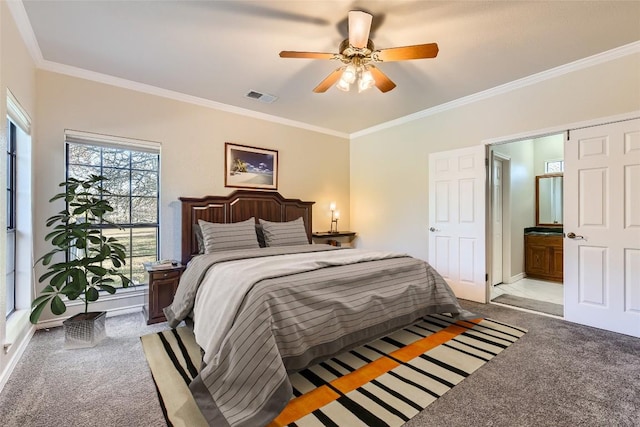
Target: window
x=11 y=217
x=18 y=257
x=556 y=166
x=133 y=186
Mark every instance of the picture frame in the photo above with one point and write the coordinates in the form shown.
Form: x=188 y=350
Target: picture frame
x=250 y=167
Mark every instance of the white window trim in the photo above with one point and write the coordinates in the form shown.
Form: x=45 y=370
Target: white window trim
x=18 y=114
x=546 y=164
x=81 y=137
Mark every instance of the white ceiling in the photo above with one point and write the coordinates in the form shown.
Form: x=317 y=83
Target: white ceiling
x=220 y=50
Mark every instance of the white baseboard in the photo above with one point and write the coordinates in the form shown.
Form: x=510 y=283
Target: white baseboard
x=13 y=361
x=53 y=323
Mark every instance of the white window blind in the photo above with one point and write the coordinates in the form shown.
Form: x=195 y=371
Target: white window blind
x=89 y=138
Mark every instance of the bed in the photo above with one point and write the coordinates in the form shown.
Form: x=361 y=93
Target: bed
x=260 y=313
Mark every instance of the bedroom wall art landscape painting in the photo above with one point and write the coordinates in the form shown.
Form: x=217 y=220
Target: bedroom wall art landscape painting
x=250 y=167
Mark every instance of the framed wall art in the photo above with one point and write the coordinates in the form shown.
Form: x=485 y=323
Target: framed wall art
x=250 y=167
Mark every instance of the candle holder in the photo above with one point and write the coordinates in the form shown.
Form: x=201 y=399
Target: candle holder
x=334 y=218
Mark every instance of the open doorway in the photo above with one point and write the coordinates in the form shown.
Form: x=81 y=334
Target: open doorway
x=526 y=224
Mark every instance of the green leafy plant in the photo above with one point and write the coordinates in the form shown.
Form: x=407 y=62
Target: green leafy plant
x=91 y=259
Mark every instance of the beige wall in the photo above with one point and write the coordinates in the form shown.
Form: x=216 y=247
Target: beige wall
x=17 y=73
x=312 y=166
x=548 y=148
x=389 y=176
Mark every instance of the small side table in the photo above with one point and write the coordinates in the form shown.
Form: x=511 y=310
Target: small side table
x=163 y=282
x=334 y=239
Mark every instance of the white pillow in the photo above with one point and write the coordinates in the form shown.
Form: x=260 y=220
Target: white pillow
x=224 y=237
x=284 y=233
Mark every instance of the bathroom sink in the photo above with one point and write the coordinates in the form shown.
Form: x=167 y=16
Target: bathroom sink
x=543 y=231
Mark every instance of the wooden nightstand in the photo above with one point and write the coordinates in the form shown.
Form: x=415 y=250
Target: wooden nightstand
x=334 y=238
x=163 y=283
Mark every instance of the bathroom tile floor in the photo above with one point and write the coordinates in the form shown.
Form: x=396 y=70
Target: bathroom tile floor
x=541 y=290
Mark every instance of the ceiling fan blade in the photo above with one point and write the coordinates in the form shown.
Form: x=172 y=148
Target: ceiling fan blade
x=329 y=81
x=310 y=55
x=419 y=51
x=359 y=27
x=383 y=82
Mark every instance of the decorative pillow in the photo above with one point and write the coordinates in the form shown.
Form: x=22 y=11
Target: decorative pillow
x=224 y=237
x=284 y=233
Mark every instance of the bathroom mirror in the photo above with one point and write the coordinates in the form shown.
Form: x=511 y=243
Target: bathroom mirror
x=549 y=200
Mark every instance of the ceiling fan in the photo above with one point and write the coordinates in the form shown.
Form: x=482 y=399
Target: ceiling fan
x=358 y=54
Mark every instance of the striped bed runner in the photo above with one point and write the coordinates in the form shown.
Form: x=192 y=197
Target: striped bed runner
x=383 y=383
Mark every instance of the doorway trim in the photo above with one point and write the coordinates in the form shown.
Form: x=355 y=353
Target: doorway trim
x=531 y=135
x=506 y=216
x=560 y=129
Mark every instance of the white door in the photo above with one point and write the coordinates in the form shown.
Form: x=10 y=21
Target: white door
x=457 y=183
x=602 y=227
x=496 y=221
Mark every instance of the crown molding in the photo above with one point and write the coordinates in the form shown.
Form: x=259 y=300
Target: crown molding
x=600 y=58
x=178 y=96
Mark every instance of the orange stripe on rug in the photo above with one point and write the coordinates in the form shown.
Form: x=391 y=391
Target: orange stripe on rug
x=323 y=395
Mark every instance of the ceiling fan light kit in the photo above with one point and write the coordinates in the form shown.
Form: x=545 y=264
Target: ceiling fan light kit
x=355 y=72
x=357 y=52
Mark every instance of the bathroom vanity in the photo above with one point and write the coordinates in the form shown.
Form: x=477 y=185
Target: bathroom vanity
x=543 y=253
x=543 y=243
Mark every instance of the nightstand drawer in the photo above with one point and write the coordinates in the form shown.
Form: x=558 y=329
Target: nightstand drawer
x=164 y=275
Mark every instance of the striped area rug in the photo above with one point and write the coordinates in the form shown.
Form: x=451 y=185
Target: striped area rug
x=383 y=383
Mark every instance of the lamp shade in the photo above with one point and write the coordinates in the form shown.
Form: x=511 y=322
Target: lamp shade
x=349 y=74
x=343 y=85
x=366 y=81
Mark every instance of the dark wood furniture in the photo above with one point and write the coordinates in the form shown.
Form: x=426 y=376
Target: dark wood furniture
x=239 y=206
x=328 y=235
x=544 y=256
x=333 y=238
x=162 y=287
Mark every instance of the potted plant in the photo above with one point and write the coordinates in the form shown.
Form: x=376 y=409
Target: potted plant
x=90 y=261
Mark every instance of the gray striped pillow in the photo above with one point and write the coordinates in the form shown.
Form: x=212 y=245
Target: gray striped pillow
x=199 y=238
x=224 y=237
x=284 y=233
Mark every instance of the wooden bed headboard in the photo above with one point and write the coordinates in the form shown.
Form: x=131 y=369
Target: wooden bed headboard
x=238 y=206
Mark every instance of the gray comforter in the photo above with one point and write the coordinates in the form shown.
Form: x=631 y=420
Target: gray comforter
x=261 y=313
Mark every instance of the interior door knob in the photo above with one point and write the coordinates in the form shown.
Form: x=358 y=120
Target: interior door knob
x=573 y=235
x=433 y=229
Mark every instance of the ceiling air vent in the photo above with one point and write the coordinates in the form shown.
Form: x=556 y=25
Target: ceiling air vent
x=262 y=97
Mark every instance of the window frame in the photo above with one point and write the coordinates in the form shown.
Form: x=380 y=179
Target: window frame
x=129 y=227
x=11 y=270
x=548 y=162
